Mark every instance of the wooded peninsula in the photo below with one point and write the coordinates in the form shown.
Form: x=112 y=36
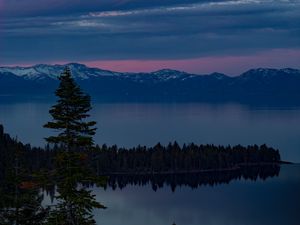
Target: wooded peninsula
x=159 y=159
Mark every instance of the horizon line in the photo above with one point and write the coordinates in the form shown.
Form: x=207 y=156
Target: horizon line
x=151 y=71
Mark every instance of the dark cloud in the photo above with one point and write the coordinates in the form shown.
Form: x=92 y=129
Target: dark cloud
x=13 y=8
x=132 y=29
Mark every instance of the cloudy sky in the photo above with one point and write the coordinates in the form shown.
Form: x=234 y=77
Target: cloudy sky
x=198 y=36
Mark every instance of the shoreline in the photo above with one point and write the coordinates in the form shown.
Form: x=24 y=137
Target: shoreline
x=235 y=168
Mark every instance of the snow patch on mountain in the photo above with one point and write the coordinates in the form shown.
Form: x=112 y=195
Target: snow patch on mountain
x=42 y=72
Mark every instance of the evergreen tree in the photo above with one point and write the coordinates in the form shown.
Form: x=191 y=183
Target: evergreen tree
x=75 y=202
x=69 y=116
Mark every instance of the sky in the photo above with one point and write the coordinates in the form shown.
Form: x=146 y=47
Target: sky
x=198 y=36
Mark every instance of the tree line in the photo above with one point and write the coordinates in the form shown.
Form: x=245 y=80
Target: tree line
x=159 y=159
x=176 y=159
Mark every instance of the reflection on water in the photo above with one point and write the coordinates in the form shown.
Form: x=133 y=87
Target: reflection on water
x=193 y=180
x=242 y=201
x=271 y=202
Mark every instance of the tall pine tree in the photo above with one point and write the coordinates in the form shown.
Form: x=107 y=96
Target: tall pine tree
x=74 y=202
x=69 y=116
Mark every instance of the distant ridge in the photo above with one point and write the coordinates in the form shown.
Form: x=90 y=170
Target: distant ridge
x=255 y=85
x=81 y=71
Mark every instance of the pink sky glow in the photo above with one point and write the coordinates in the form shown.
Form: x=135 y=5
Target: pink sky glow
x=230 y=65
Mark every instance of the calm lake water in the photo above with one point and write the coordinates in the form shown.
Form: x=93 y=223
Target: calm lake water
x=275 y=201
x=146 y=124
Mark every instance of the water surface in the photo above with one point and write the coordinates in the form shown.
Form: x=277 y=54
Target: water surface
x=275 y=201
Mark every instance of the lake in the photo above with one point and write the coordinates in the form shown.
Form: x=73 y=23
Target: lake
x=130 y=124
x=274 y=201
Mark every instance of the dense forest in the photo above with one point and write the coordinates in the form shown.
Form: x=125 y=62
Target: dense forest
x=159 y=159
x=176 y=159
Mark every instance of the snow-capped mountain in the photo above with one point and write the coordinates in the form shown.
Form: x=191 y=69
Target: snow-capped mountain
x=166 y=84
x=268 y=73
x=81 y=72
x=42 y=71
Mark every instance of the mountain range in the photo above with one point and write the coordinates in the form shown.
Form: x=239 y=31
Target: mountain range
x=255 y=85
